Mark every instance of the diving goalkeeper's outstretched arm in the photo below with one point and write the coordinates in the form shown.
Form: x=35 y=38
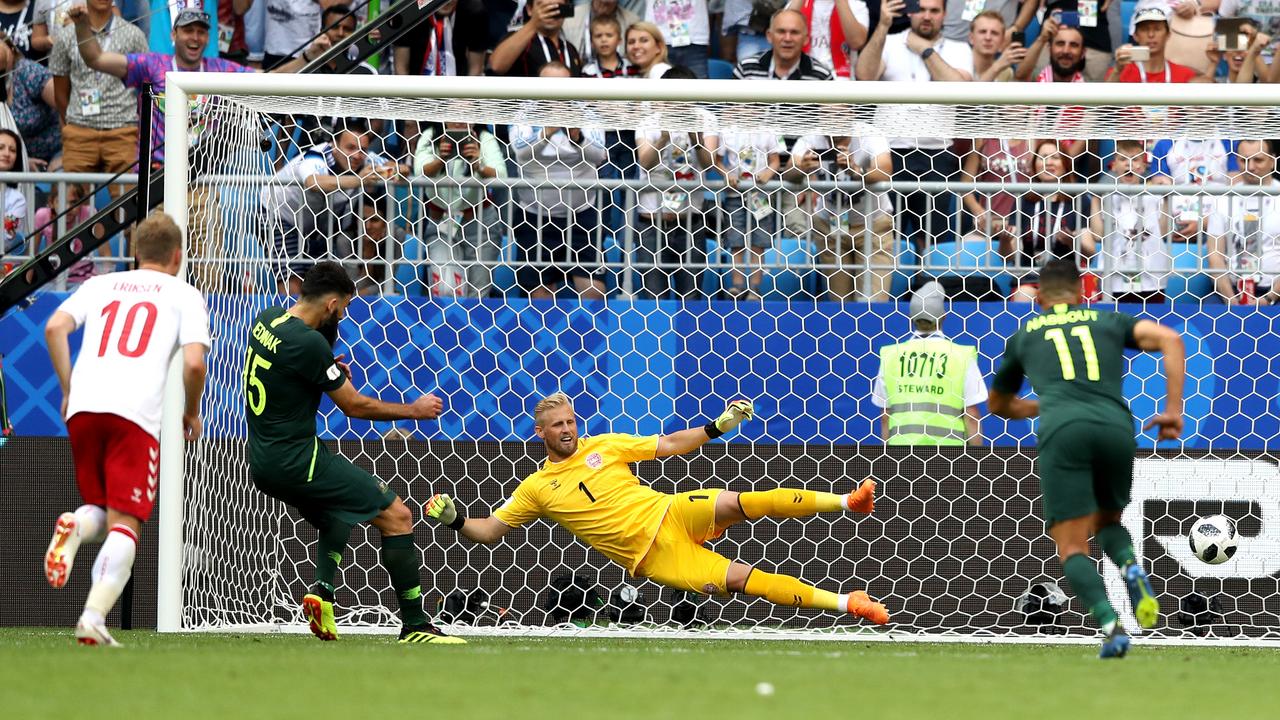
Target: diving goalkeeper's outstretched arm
x=485 y=531
x=683 y=441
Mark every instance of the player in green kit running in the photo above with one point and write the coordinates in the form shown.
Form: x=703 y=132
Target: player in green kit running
x=1074 y=357
x=289 y=364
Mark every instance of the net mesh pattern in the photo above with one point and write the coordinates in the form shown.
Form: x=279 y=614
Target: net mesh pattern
x=1035 y=120
x=699 y=289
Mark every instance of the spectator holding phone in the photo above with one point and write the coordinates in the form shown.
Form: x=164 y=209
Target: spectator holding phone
x=538 y=41
x=462 y=223
x=1144 y=61
x=1191 y=162
x=1263 y=12
x=1093 y=20
x=1066 y=45
x=993 y=58
x=1238 y=41
x=853 y=233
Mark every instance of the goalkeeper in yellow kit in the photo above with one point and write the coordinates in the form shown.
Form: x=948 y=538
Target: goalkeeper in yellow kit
x=587 y=486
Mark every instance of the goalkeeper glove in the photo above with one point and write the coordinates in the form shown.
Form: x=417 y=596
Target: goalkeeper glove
x=441 y=509
x=733 y=415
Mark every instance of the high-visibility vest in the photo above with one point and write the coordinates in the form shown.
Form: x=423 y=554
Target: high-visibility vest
x=924 y=390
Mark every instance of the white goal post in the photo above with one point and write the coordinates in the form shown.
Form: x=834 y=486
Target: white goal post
x=955 y=541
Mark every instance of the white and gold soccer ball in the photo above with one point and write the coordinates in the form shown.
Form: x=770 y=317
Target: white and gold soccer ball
x=1214 y=539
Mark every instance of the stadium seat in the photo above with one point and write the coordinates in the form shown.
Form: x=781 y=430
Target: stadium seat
x=719 y=69
x=715 y=279
x=977 y=257
x=408 y=271
x=504 y=276
x=794 y=278
x=1186 y=282
x=612 y=253
x=901 y=281
x=961 y=258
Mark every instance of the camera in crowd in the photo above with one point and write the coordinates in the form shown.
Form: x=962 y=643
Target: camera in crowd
x=450 y=144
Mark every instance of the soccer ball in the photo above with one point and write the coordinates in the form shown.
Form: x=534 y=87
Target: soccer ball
x=1214 y=539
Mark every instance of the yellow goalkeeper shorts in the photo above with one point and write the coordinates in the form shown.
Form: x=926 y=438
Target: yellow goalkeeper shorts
x=677 y=558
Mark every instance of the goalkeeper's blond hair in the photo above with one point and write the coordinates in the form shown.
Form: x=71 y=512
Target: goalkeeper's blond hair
x=550 y=402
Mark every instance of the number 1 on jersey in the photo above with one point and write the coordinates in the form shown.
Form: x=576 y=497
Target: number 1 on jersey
x=1085 y=336
x=583 y=487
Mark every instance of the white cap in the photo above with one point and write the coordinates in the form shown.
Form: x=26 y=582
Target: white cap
x=1148 y=11
x=929 y=302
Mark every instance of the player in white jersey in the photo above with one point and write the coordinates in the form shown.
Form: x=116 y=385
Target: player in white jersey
x=133 y=323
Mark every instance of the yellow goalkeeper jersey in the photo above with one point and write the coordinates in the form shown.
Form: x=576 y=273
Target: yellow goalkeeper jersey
x=595 y=496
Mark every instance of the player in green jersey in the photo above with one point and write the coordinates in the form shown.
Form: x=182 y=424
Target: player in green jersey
x=288 y=366
x=1074 y=357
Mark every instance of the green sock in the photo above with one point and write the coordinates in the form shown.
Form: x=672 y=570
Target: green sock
x=1117 y=544
x=333 y=540
x=401 y=559
x=1082 y=573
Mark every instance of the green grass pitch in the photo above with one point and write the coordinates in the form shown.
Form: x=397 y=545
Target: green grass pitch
x=44 y=675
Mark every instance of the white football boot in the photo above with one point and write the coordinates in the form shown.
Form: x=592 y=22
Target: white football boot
x=93 y=633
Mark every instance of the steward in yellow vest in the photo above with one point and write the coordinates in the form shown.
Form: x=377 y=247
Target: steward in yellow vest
x=929 y=387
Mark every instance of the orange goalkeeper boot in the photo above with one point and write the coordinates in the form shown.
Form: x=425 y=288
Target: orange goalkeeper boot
x=861 y=605
x=863 y=500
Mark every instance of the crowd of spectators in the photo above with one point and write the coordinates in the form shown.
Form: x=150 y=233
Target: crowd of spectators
x=71 y=74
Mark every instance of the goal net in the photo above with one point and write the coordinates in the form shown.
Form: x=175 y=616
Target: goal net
x=655 y=249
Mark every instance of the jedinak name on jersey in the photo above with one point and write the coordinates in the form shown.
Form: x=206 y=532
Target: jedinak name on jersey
x=263 y=335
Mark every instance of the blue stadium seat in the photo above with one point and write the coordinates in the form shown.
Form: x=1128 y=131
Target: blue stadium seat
x=612 y=252
x=947 y=258
x=941 y=257
x=504 y=276
x=795 y=278
x=711 y=197
x=901 y=281
x=408 y=273
x=715 y=279
x=719 y=69
x=975 y=253
x=1187 y=283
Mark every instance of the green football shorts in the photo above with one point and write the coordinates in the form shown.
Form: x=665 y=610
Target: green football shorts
x=1085 y=468
x=339 y=494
